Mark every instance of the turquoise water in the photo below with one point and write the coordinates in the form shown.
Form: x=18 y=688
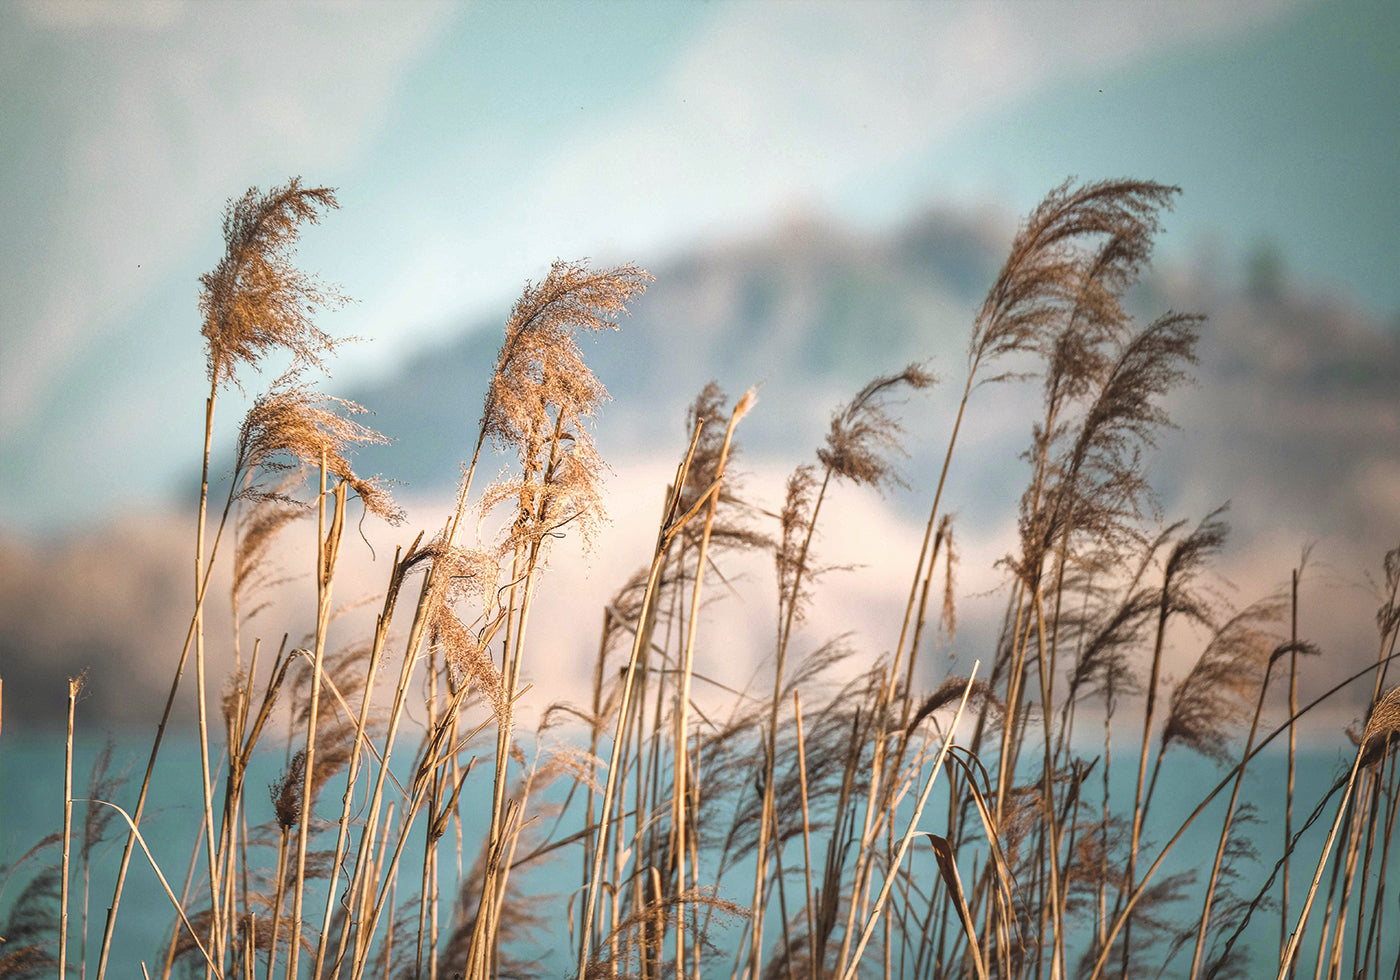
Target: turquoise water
x=31 y=805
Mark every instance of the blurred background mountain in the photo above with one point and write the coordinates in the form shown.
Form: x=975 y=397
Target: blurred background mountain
x=1293 y=419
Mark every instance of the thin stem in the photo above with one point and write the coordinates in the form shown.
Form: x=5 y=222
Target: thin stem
x=1292 y=757
x=109 y=928
x=215 y=927
x=667 y=532
x=381 y=632
x=681 y=763
x=909 y=834
x=74 y=684
x=806 y=836
x=928 y=535
x=1120 y=917
x=1293 y=940
x=326 y=551
x=1225 y=832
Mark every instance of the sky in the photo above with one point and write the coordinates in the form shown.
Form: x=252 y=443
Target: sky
x=471 y=144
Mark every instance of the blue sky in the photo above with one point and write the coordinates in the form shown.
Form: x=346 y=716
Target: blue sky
x=472 y=144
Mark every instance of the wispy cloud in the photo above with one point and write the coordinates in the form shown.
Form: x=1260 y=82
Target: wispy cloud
x=777 y=105
x=144 y=117
x=157 y=112
x=773 y=109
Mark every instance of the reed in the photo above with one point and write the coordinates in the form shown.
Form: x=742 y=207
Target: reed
x=845 y=814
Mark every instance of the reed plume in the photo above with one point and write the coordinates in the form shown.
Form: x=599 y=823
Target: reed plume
x=31 y=921
x=1048 y=275
x=462 y=575
x=1220 y=688
x=732 y=528
x=864 y=435
x=541 y=391
x=257 y=530
x=255 y=300
x=292 y=423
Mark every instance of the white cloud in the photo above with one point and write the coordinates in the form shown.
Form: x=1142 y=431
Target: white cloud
x=775 y=109
x=83 y=14
x=770 y=109
x=785 y=103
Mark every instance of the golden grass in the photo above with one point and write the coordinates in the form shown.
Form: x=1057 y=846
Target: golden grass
x=798 y=819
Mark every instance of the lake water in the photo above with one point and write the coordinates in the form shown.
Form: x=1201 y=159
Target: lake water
x=31 y=805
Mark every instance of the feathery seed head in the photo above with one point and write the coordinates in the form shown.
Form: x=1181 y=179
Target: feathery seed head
x=460 y=574
x=1050 y=276
x=1216 y=694
x=1382 y=728
x=795 y=520
x=541 y=393
x=539 y=371
x=730 y=528
x=255 y=300
x=290 y=420
x=286 y=792
x=863 y=434
x=257 y=529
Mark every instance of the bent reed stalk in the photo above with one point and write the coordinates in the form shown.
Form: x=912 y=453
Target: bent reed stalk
x=773 y=833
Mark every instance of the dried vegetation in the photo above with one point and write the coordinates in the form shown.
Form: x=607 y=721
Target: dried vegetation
x=895 y=824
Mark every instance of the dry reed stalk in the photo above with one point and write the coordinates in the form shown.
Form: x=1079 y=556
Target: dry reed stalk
x=327 y=550
x=95 y=822
x=998 y=868
x=539 y=396
x=434 y=801
x=811 y=908
x=234 y=704
x=680 y=762
x=873 y=816
x=948 y=867
x=1292 y=762
x=1121 y=915
x=367 y=871
x=381 y=632
x=255 y=301
x=131 y=842
x=1365 y=794
x=1375 y=927
x=1050 y=823
x=209 y=962
x=1014 y=715
x=1237 y=663
x=670 y=526
x=215 y=934
x=1325 y=942
x=942 y=544
x=172 y=948
x=1372 y=821
x=849 y=972
x=393 y=886
x=1383 y=724
x=233 y=837
x=432 y=760
x=1098 y=483
x=287 y=805
x=1185 y=559
x=862 y=437
x=74 y=686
